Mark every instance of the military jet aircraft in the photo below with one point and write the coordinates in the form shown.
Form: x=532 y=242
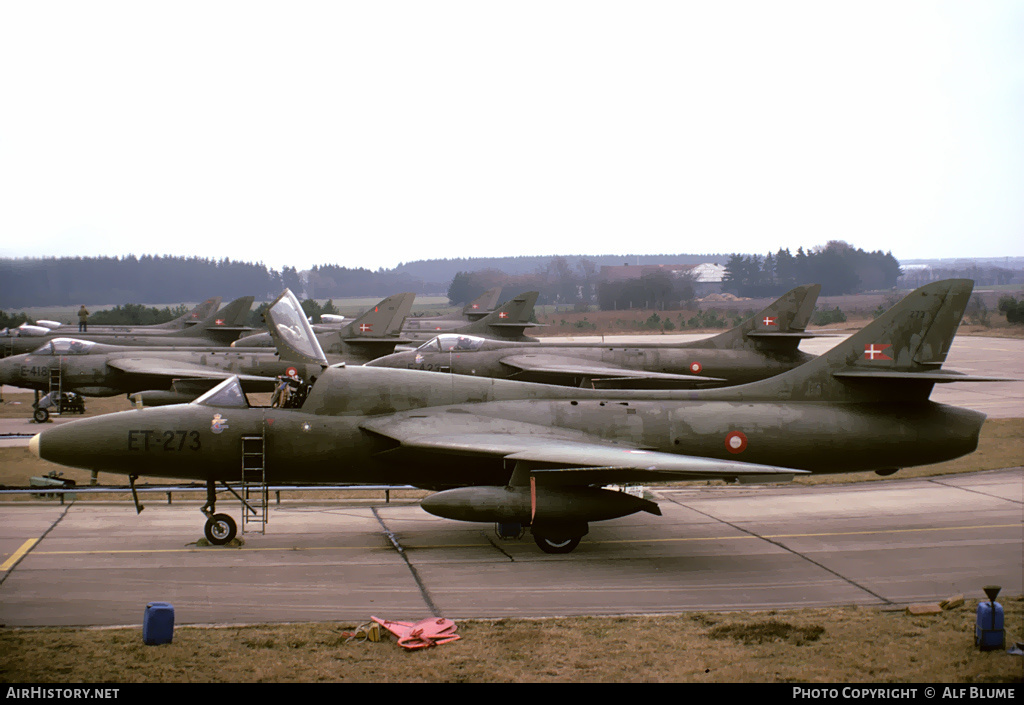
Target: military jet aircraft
x=760 y=347
x=371 y=335
x=530 y=455
x=189 y=318
x=156 y=376
x=473 y=311
x=507 y=322
x=219 y=328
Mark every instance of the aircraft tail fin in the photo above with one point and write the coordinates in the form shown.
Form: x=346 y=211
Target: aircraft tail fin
x=225 y=325
x=482 y=305
x=509 y=321
x=382 y=321
x=290 y=330
x=897 y=357
x=780 y=326
x=192 y=317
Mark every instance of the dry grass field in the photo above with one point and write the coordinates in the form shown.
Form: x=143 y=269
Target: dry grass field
x=839 y=645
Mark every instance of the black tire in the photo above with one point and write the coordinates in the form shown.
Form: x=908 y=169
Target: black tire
x=41 y=415
x=560 y=544
x=220 y=529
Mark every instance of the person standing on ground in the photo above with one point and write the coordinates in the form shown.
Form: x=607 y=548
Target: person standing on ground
x=83 y=318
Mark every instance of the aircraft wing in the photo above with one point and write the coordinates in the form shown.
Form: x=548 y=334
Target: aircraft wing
x=556 y=456
x=175 y=369
x=551 y=365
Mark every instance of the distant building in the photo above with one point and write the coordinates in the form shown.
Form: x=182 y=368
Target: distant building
x=706 y=278
x=619 y=273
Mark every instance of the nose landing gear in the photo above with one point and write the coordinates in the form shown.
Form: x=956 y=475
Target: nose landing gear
x=220 y=528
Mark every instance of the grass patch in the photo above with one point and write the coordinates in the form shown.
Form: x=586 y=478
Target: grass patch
x=845 y=644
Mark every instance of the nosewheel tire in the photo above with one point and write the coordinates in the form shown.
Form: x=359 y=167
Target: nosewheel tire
x=560 y=544
x=220 y=529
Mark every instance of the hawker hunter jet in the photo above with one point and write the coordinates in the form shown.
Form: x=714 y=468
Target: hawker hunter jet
x=170 y=376
x=476 y=309
x=369 y=336
x=760 y=347
x=190 y=318
x=519 y=454
x=507 y=322
x=218 y=329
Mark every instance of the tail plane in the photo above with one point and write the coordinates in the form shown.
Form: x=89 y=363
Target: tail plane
x=509 y=321
x=482 y=305
x=226 y=323
x=382 y=321
x=780 y=326
x=896 y=358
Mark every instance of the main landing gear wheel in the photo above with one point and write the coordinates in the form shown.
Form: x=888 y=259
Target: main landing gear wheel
x=220 y=529
x=557 y=545
x=41 y=415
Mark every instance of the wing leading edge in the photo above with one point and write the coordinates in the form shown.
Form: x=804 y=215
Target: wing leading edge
x=557 y=456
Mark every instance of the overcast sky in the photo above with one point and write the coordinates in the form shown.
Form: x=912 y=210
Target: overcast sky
x=371 y=133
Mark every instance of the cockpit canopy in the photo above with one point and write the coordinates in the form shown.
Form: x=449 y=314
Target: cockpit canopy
x=452 y=342
x=65 y=346
x=226 y=395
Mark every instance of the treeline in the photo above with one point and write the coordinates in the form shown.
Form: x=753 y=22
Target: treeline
x=445 y=270
x=64 y=281
x=330 y=280
x=838 y=267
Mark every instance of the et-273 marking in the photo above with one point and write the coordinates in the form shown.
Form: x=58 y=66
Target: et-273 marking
x=145 y=440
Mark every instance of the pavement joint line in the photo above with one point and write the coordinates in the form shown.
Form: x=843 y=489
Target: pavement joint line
x=424 y=593
x=15 y=559
x=777 y=544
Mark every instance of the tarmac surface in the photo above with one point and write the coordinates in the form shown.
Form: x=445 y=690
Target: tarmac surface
x=888 y=542
x=885 y=543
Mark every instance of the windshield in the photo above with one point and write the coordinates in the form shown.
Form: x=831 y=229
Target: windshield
x=226 y=395
x=450 y=342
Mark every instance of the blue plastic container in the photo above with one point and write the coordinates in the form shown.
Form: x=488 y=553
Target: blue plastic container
x=158 y=623
x=988 y=629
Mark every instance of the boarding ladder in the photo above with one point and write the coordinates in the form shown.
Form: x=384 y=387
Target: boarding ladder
x=255 y=493
x=56 y=388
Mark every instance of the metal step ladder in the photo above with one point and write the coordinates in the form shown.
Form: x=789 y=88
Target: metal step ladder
x=255 y=494
x=56 y=389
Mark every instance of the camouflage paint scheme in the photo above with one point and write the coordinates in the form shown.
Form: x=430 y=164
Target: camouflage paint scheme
x=762 y=346
x=535 y=455
x=374 y=333
x=507 y=322
x=217 y=329
x=100 y=370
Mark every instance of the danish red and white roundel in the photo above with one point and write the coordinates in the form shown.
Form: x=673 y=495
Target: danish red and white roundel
x=696 y=367
x=291 y=372
x=735 y=442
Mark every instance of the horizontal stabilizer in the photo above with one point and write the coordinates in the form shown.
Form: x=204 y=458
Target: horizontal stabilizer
x=800 y=335
x=936 y=376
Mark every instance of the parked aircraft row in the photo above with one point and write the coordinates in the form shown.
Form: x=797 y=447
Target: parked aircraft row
x=157 y=374
x=538 y=456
